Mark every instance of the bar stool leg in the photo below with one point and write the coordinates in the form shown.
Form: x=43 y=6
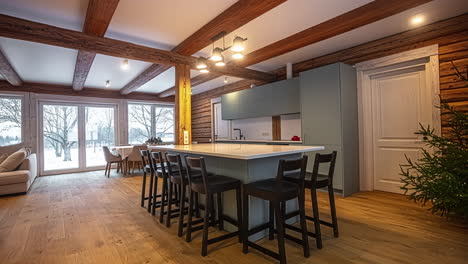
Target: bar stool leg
x=212 y=211
x=169 y=204
x=220 y=211
x=318 y=233
x=143 y=190
x=188 y=236
x=155 y=194
x=181 y=210
x=305 y=237
x=150 y=192
x=331 y=197
x=206 y=222
x=271 y=229
x=280 y=230
x=239 y=213
x=245 y=222
x=163 y=200
x=197 y=205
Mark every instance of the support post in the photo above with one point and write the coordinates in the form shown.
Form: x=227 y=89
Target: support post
x=183 y=105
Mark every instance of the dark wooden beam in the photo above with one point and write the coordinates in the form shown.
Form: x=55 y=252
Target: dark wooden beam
x=235 y=16
x=8 y=72
x=87 y=92
x=12 y=27
x=358 y=17
x=98 y=17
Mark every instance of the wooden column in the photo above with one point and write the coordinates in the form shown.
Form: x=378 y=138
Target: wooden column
x=276 y=127
x=183 y=104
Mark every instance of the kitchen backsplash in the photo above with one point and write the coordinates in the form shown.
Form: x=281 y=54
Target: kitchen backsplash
x=260 y=128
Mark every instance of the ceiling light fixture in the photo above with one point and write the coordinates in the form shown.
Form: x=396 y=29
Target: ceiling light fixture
x=238 y=44
x=237 y=55
x=201 y=64
x=124 y=66
x=226 y=79
x=204 y=71
x=107 y=83
x=217 y=55
x=221 y=62
x=417 y=20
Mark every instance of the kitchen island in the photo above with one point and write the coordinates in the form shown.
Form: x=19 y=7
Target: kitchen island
x=246 y=162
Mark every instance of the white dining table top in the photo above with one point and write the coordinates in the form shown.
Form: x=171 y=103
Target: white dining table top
x=238 y=151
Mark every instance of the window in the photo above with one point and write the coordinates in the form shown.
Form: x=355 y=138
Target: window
x=10 y=120
x=148 y=120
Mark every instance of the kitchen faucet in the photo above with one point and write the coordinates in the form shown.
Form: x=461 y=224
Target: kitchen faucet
x=240 y=133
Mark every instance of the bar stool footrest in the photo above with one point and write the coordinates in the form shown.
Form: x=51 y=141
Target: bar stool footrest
x=223 y=237
x=320 y=221
x=297 y=229
x=263 y=250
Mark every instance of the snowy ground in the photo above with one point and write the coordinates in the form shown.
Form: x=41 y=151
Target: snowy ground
x=94 y=157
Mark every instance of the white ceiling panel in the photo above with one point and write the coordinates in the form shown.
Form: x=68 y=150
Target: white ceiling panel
x=163 y=82
x=60 y=13
x=40 y=63
x=163 y=23
x=213 y=84
x=108 y=68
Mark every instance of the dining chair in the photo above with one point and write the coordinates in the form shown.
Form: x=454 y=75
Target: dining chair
x=134 y=158
x=111 y=159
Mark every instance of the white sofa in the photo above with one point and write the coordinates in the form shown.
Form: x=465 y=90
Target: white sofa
x=20 y=180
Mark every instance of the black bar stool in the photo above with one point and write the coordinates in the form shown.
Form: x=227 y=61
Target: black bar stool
x=313 y=182
x=147 y=168
x=277 y=192
x=178 y=181
x=210 y=186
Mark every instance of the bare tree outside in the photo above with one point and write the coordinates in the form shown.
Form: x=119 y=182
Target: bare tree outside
x=145 y=121
x=10 y=120
x=58 y=123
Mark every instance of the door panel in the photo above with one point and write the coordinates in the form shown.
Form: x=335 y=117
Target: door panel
x=221 y=126
x=399 y=99
x=99 y=132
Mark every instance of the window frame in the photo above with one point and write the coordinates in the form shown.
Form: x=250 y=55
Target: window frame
x=23 y=115
x=153 y=116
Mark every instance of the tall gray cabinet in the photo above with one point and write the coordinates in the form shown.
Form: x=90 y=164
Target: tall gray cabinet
x=328 y=100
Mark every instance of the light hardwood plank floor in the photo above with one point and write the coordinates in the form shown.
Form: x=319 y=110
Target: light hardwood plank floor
x=89 y=218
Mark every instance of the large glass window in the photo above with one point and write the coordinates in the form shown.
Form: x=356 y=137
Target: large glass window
x=99 y=132
x=10 y=120
x=148 y=120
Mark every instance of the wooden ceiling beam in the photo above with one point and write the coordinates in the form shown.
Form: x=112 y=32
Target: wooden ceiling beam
x=358 y=17
x=41 y=88
x=16 y=28
x=98 y=18
x=235 y=16
x=8 y=72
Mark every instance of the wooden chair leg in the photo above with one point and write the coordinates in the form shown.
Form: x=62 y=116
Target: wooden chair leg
x=181 y=210
x=150 y=191
x=220 y=211
x=315 y=211
x=188 y=236
x=245 y=222
x=280 y=230
x=155 y=194
x=169 y=205
x=206 y=223
x=239 y=213
x=331 y=198
x=163 y=200
x=105 y=171
x=143 y=190
x=133 y=167
x=302 y=219
x=271 y=228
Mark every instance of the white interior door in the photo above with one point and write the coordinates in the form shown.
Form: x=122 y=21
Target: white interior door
x=221 y=127
x=401 y=100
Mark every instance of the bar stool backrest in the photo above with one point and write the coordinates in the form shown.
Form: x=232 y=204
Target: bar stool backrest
x=175 y=161
x=157 y=160
x=293 y=166
x=322 y=159
x=196 y=164
x=144 y=153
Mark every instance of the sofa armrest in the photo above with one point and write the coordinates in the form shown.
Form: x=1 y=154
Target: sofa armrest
x=12 y=177
x=30 y=164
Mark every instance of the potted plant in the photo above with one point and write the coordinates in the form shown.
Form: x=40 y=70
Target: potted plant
x=440 y=176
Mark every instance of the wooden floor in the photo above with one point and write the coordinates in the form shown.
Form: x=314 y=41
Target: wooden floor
x=88 y=218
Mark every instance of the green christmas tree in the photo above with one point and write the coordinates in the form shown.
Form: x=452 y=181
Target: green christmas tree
x=440 y=176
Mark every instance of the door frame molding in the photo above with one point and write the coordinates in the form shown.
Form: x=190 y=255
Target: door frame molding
x=427 y=56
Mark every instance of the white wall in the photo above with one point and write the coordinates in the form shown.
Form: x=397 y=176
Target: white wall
x=290 y=126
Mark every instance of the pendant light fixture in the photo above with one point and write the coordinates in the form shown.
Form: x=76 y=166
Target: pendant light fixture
x=237 y=55
x=217 y=55
x=204 y=71
x=201 y=64
x=238 y=44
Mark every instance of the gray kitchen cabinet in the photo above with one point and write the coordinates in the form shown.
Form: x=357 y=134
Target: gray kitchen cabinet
x=272 y=99
x=328 y=101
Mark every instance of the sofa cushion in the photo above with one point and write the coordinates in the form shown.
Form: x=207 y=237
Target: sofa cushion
x=13 y=161
x=3 y=157
x=13 y=177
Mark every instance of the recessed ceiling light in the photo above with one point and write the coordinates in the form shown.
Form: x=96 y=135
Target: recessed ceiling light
x=124 y=66
x=226 y=79
x=417 y=20
x=107 y=83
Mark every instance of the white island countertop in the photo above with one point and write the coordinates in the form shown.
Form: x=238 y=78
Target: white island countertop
x=238 y=151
